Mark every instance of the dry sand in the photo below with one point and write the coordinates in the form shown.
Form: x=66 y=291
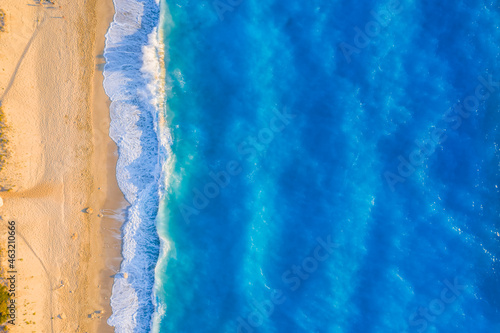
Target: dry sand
x=60 y=162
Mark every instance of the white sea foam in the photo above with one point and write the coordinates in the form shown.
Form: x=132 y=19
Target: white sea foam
x=134 y=81
x=167 y=167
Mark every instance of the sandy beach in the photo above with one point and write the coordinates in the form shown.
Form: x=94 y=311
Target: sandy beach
x=58 y=175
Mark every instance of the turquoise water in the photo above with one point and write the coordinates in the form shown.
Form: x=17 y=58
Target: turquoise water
x=323 y=166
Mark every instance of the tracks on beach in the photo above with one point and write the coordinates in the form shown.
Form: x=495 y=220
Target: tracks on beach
x=21 y=58
x=48 y=277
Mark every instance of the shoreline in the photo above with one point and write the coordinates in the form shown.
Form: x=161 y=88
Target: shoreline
x=61 y=162
x=107 y=151
x=134 y=81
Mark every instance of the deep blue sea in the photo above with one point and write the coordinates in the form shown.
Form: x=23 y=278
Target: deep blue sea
x=307 y=166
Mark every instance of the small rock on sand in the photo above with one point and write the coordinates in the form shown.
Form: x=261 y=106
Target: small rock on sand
x=100 y=215
x=88 y=210
x=97 y=314
x=74 y=236
x=62 y=316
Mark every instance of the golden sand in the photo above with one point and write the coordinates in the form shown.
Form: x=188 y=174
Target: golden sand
x=60 y=162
